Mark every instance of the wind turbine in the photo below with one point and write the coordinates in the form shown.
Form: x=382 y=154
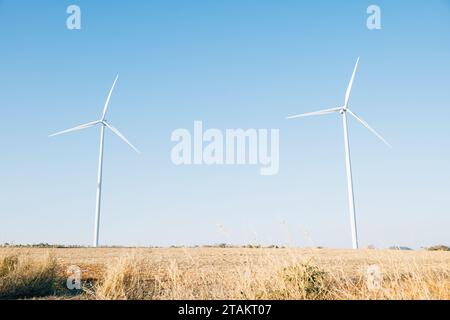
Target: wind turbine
x=343 y=110
x=103 y=124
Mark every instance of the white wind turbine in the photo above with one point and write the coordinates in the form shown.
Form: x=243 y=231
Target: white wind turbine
x=104 y=124
x=343 y=111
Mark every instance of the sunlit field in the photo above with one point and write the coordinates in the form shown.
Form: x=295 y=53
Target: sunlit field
x=224 y=273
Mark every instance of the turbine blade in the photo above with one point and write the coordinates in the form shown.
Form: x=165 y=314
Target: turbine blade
x=365 y=124
x=350 y=85
x=316 y=113
x=105 y=109
x=81 y=127
x=121 y=136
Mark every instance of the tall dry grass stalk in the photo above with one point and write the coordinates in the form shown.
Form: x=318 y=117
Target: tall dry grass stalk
x=125 y=280
x=21 y=277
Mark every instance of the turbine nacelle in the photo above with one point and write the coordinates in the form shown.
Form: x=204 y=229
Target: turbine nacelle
x=102 y=121
x=344 y=109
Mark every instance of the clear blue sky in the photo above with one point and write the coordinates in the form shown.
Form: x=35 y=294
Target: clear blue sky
x=231 y=64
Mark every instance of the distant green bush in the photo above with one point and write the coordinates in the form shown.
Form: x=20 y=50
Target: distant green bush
x=400 y=248
x=439 y=248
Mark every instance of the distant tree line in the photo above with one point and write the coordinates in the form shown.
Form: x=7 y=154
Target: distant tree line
x=219 y=245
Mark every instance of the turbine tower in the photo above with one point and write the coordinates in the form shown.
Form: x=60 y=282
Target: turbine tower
x=344 y=110
x=103 y=125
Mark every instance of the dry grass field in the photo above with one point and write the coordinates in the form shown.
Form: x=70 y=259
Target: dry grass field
x=225 y=273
